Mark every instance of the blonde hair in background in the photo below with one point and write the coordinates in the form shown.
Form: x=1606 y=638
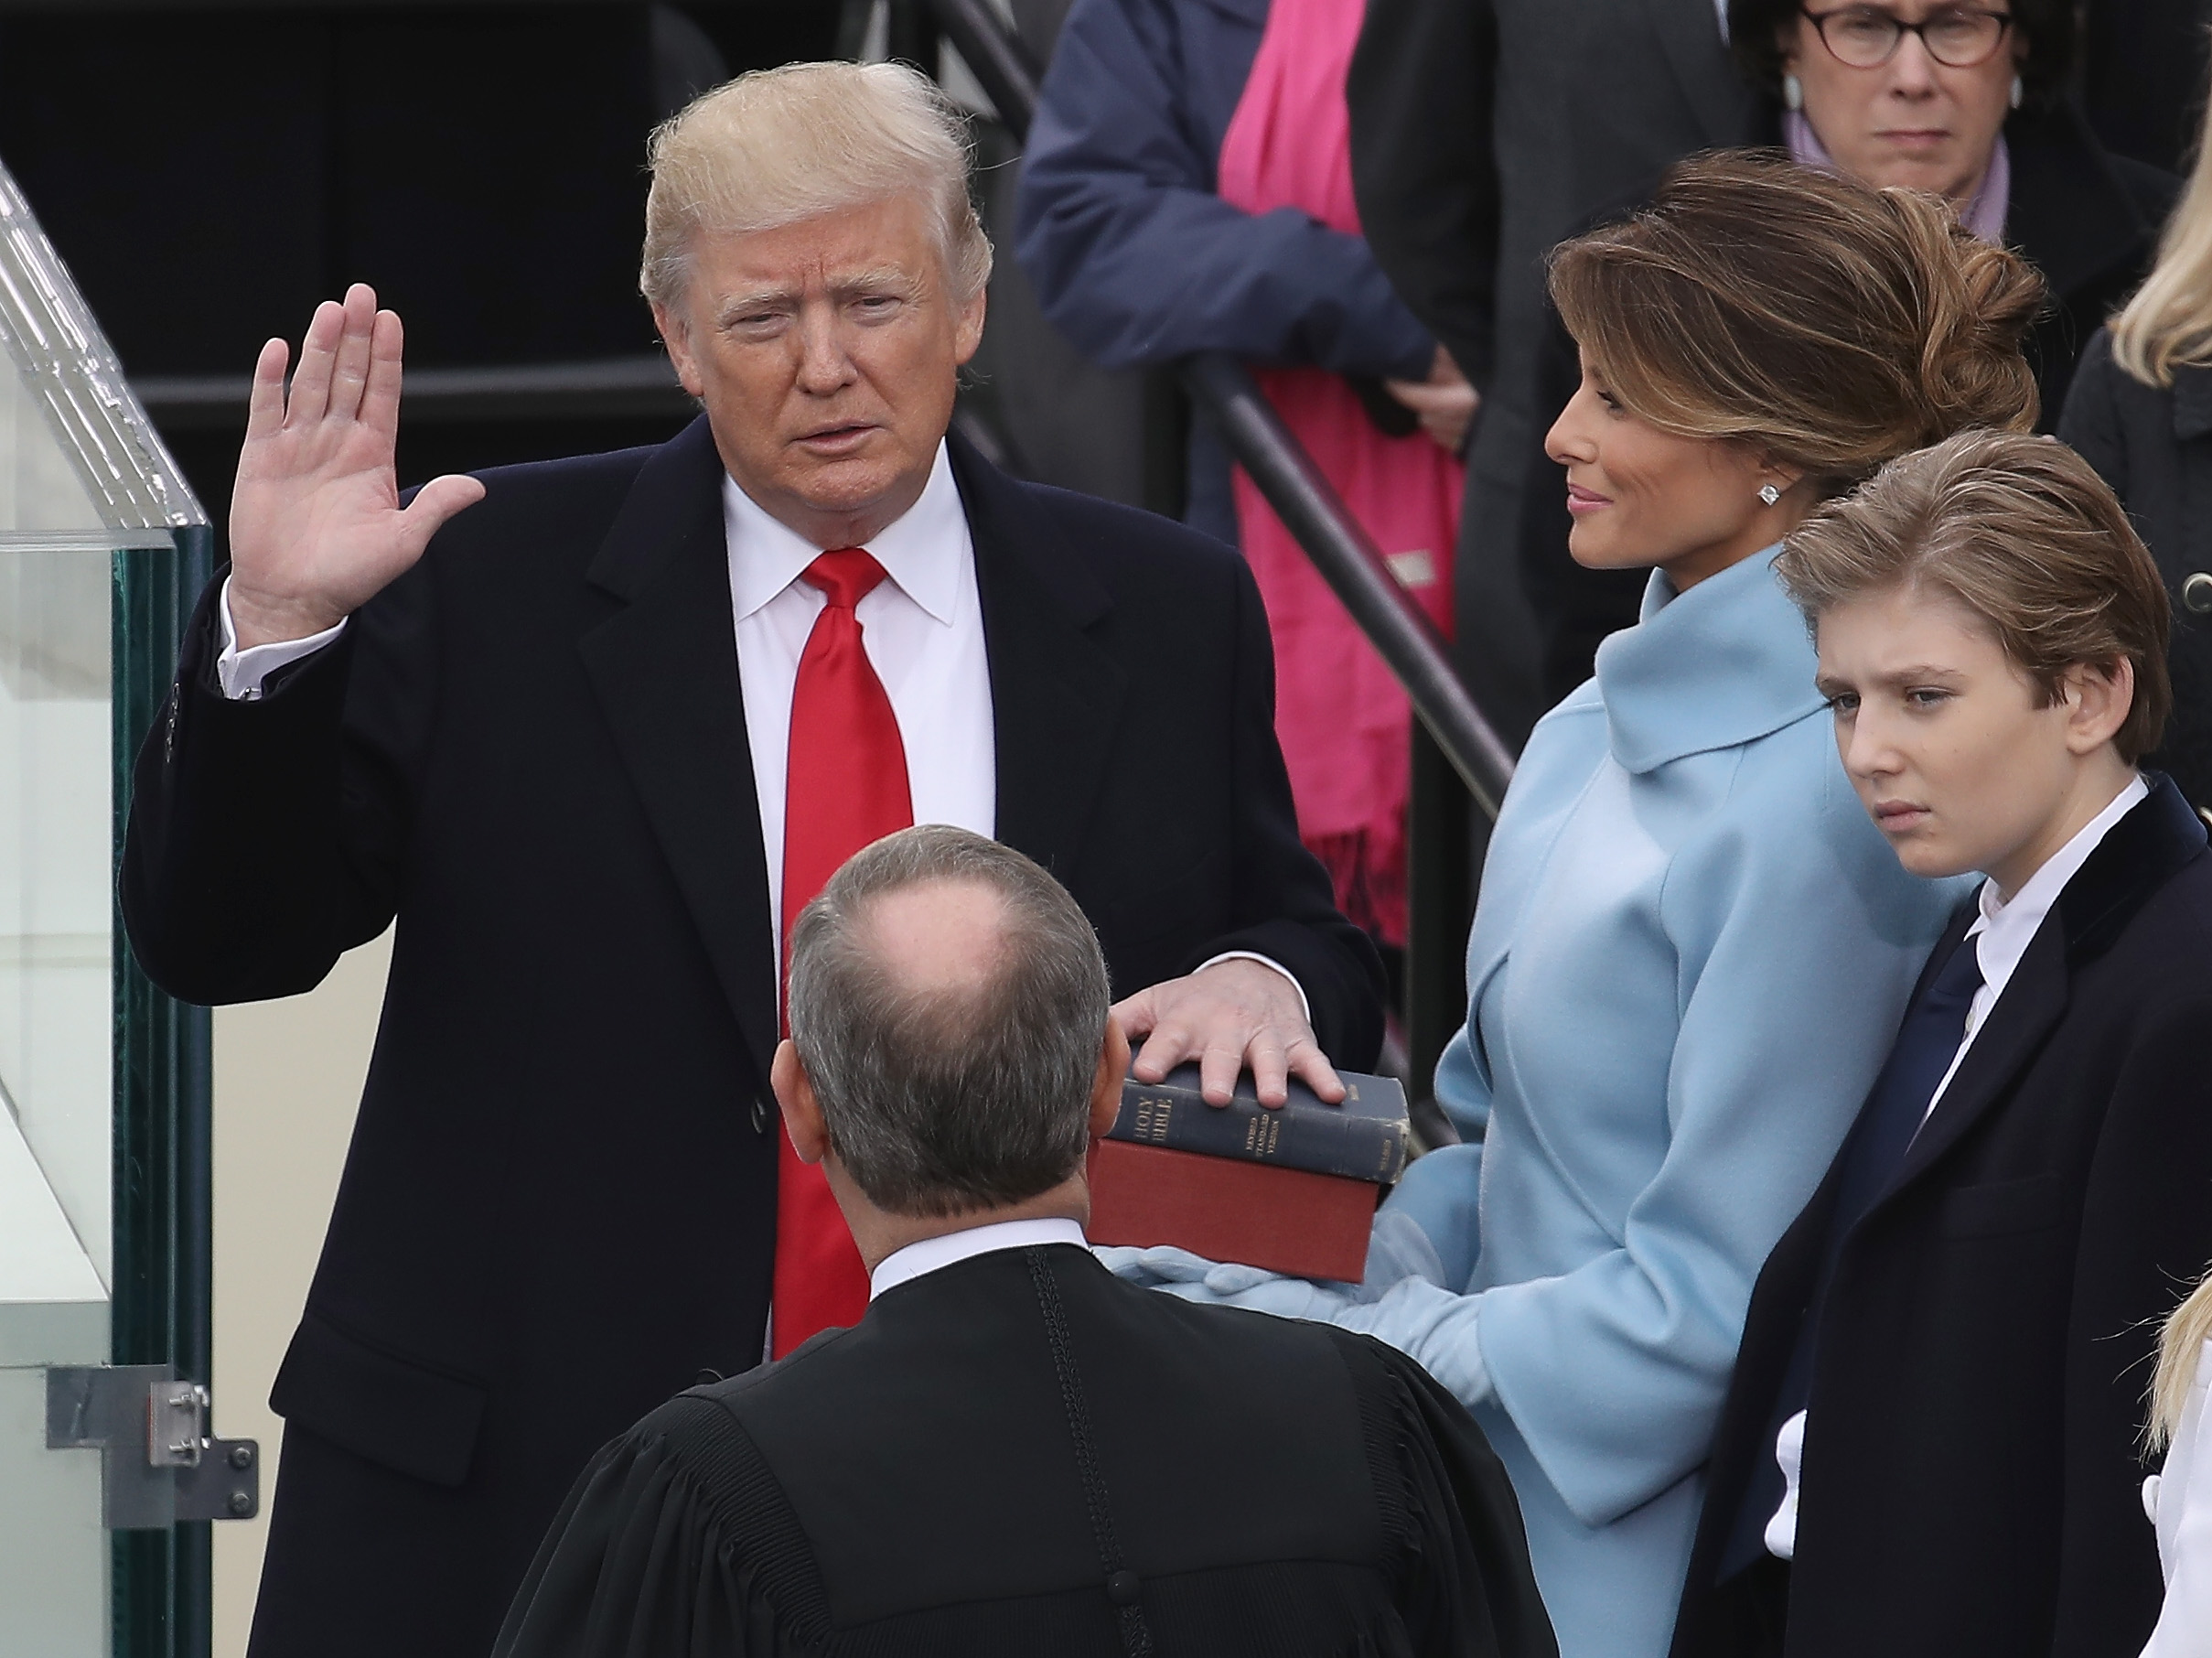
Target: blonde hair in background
x=2023 y=533
x=780 y=146
x=2179 y=1345
x=1824 y=323
x=2169 y=321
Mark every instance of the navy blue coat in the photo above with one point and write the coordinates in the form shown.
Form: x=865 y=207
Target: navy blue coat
x=1136 y=258
x=1971 y=1465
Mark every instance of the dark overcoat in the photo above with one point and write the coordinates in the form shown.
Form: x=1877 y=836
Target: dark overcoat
x=1973 y=1460
x=2154 y=446
x=560 y=1202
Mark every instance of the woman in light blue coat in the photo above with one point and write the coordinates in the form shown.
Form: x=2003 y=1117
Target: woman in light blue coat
x=1692 y=948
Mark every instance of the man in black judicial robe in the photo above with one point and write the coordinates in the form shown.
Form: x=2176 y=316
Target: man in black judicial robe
x=547 y=746
x=1014 y=1452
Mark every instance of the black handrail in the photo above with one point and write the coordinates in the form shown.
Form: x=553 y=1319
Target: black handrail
x=1309 y=506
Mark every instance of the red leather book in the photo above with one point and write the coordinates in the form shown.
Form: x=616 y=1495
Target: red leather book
x=1285 y=1219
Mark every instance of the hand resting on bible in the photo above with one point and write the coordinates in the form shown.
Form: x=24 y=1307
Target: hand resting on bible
x=1230 y=1016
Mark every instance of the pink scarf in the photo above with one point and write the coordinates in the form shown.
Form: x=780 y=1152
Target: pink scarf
x=1343 y=721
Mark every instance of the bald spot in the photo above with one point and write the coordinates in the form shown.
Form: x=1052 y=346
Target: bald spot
x=938 y=939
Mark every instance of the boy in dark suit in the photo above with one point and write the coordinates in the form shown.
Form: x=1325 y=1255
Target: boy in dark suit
x=1012 y=1452
x=1931 y=1442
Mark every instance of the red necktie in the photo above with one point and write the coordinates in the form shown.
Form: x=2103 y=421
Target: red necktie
x=844 y=787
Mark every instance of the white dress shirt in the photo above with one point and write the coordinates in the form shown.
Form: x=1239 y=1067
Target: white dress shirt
x=923 y=632
x=2178 y=1499
x=2000 y=935
x=902 y=1266
x=241 y=672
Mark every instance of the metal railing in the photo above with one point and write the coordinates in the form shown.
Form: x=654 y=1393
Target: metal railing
x=1343 y=551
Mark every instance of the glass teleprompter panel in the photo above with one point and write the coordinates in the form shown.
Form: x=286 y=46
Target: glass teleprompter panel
x=85 y=486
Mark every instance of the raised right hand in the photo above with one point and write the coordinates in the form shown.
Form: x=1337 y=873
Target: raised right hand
x=316 y=529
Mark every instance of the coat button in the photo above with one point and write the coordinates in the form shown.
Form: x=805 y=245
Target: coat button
x=760 y=1116
x=2197 y=593
x=1122 y=1588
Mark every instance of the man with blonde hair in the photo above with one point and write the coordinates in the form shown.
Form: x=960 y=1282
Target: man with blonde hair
x=596 y=746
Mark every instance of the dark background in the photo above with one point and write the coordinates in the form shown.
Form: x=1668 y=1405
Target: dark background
x=210 y=173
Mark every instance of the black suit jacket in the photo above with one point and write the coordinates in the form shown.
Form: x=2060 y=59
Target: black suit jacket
x=1971 y=1472
x=559 y=1205
x=1018 y=1454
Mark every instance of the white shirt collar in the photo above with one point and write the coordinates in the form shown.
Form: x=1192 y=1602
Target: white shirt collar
x=2004 y=930
x=916 y=550
x=903 y=1265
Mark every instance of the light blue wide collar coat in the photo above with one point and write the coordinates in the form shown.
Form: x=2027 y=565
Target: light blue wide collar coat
x=1692 y=953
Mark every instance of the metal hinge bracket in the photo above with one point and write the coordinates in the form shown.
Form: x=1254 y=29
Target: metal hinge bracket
x=159 y=1463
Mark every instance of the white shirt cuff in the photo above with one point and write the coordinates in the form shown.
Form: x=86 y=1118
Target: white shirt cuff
x=241 y=672
x=1781 y=1535
x=1304 y=1006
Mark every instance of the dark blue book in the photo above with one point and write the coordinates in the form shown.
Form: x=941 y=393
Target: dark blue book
x=1363 y=1139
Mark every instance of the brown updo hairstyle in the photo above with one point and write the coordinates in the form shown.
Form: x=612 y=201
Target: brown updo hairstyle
x=1825 y=324
x=2023 y=534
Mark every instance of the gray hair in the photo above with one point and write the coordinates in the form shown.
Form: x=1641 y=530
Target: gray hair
x=780 y=146
x=943 y=1100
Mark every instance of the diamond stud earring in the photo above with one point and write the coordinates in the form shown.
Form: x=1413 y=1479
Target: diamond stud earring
x=1769 y=494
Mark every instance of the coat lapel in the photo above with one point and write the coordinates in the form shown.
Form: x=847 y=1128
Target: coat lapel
x=2033 y=1000
x=2138 y=856
x=665 y=669
x=1056 y=694
x=2192 y=401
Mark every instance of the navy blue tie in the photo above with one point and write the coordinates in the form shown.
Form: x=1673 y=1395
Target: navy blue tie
x=1928 y=1040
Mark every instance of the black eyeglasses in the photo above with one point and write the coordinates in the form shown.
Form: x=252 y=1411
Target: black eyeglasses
x=1865 y=38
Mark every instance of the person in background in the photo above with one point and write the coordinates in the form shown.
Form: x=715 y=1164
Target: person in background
x=2140 y=413
x=1691 y=947
x=1187 y=188
x=1483 y=132
x=1965 y=100
x=2179 y=1498
x=1013 y=1453
x=1930 y=1443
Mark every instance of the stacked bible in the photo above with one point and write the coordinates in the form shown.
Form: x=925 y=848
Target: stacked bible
x=1292 y=1191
